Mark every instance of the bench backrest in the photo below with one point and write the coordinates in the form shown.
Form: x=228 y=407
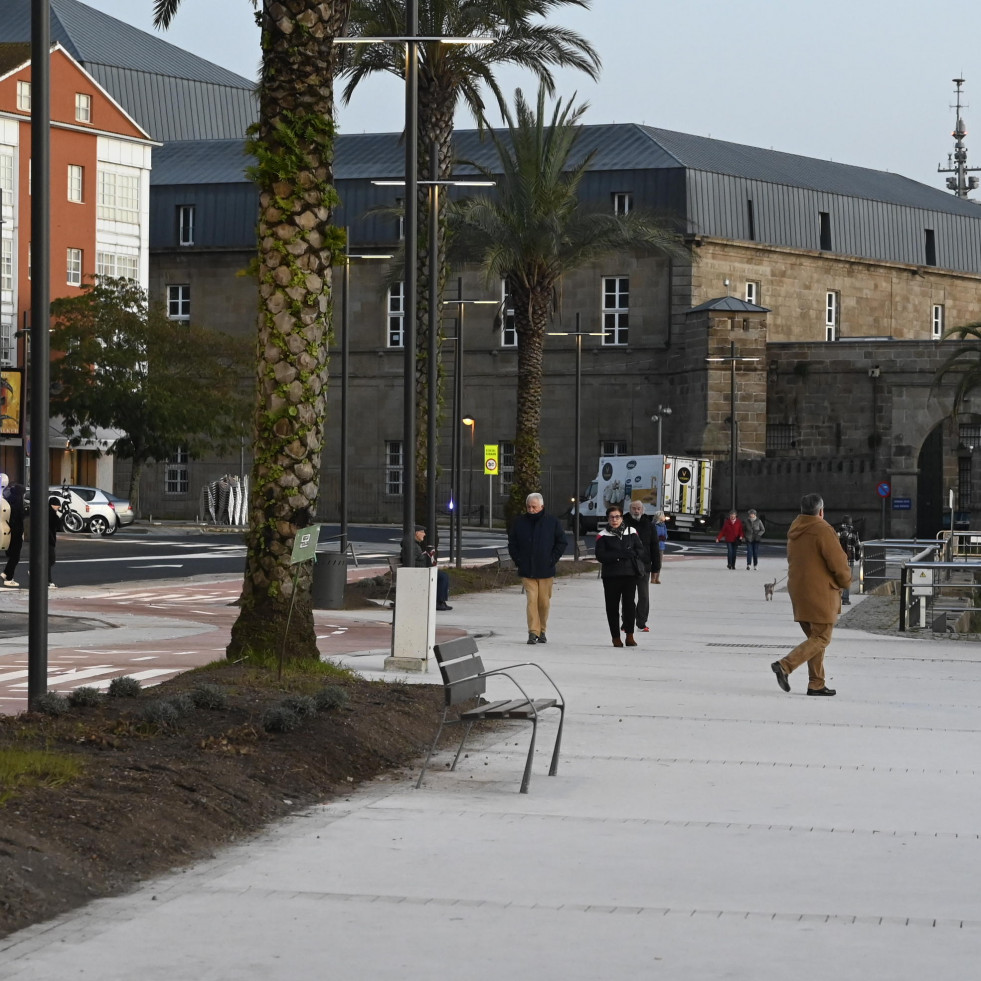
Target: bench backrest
x=461 y=667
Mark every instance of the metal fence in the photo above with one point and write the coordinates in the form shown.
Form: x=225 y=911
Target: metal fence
x=883 y=559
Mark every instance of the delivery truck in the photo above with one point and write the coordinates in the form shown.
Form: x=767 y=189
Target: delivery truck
x=679 y=486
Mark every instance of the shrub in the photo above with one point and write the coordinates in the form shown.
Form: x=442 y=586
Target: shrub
x=125 y=687
x=303 y=705
x=160 y=712
x=84 y=696
x=330 y=697
x=183 y=703
x=280 y=719
x=209 y=697
x=51 y=703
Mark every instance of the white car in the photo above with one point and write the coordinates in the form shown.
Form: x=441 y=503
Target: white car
x=86 y=509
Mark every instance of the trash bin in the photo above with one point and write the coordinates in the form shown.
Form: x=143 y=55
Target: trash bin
x=329 y=580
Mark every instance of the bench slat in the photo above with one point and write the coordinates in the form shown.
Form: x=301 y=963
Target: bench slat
x=517 y=708
x=452 y=649
x=465 y=690
x=464 y=667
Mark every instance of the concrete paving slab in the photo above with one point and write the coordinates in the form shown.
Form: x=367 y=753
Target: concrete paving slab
x=703 y=824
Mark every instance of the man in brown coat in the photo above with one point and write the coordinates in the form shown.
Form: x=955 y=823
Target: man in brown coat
x=818 y=571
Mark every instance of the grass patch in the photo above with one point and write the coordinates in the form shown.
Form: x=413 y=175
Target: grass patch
x=21 y=768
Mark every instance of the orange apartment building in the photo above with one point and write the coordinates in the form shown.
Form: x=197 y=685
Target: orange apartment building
x=100 y=192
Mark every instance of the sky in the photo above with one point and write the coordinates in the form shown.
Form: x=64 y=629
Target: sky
x=865 y=82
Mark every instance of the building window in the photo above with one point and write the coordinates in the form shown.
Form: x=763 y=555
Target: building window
x=393 y=467
x=185 y=224
x=832 y=315
x=507 y=465
x=74 y=267
x=7 y=176
x=7 y=264
x=616 y=315
x=613 y=447
x=753 y=293
x=114 y=266
x=623 y=202
x=396 y=315
x=83 y=107
x=750 y=220
x=509 y=333
x=6 y=342
x=781 y=436
x=75 y=182
x=179 y=302
x=24 y=96
x=825 y=220
x=119 y=197
x=937 y=328
x=929 y=247
x=175 y=478
x=964 y=489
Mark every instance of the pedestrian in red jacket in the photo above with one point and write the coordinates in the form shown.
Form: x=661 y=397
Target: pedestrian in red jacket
x=732 y=535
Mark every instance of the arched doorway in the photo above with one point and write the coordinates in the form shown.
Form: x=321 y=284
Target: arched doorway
x=930 y=485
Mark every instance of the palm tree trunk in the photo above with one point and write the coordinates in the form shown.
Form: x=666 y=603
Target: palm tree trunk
x=531 y=312
x=293 y=147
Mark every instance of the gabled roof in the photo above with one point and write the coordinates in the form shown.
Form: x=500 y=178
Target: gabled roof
x=93 y=37
x=729 y=304
x=171 y=93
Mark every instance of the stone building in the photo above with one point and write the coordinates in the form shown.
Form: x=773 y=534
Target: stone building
x=848 y=278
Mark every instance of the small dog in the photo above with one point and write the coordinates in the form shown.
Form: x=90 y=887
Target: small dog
x=768 y=588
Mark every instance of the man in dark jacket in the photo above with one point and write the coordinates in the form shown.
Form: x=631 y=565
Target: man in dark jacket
x=425 y=557
x=644 y=526
x=817 y=573
x=535 y=543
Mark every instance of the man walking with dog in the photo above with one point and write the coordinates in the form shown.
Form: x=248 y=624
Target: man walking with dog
x=817 y=573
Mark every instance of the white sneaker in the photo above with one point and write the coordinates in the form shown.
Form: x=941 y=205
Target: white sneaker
x=9 y=582
x=51 y=585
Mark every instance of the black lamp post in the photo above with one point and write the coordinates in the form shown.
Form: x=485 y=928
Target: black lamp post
x=733 y=447
x=578 y=334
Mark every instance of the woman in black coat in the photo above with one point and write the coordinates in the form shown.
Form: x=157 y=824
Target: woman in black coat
x=621 y=555
x=15 y=498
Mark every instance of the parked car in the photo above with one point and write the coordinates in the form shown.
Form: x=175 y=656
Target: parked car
x=124 y=510
x=87 y=509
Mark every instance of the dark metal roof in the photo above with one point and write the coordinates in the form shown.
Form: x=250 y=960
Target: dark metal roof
x=171 y=93
x=200 y=162
x=731 y=304
x=776 y=167
x=93 y=37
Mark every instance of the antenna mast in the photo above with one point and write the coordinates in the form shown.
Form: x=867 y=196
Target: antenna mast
x=960 y=183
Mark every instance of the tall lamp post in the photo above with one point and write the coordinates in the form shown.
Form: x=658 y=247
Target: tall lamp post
x=732 y=358
x=472 y=423
x=456 y=449
x=345 y=393
x=578 y=334
x=658 y=417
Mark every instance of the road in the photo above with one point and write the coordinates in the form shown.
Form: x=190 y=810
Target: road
x=133 y=556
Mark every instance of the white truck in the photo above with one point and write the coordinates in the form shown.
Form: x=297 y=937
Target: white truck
x=679 y=486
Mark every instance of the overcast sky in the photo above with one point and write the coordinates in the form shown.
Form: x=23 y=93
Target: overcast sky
x=865 y=82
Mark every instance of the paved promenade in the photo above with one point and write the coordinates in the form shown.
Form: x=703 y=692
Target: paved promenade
x=703 y=825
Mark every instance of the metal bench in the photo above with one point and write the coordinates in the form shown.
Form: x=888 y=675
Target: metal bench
x=505 y=565
x=465 y=678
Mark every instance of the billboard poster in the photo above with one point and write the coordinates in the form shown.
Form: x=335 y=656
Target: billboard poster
x=11 y=401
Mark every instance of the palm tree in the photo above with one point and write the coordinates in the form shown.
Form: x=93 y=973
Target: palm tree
x=292 y=144
x=447 y=74
x=963 y=365
x=534 y=231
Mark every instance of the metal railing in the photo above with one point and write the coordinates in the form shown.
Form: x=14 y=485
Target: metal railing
x=933 y=593
x=882 y=560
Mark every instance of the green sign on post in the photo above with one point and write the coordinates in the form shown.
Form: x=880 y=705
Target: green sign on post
x=305 y=544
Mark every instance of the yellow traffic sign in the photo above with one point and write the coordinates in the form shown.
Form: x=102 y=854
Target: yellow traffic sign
x=491 y=458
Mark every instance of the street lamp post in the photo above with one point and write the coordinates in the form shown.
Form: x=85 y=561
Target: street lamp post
x=472 y=423
x=578 y=334
x=345 y=393
x=733 y=448
x=658 y=417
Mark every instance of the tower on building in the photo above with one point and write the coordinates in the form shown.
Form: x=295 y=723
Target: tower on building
x=961 y=184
